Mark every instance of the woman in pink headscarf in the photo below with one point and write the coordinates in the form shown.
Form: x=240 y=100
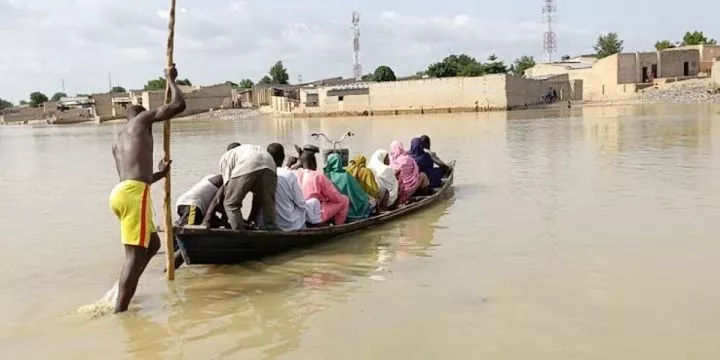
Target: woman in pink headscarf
x=410 y=179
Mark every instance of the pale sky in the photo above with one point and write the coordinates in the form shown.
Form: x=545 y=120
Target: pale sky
x=81 y=41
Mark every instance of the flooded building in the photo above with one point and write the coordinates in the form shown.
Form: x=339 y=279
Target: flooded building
x=620 y=76
x=431 y=95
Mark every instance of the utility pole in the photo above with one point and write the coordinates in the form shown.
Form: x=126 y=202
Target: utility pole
x=63 y=85
x=109 y=83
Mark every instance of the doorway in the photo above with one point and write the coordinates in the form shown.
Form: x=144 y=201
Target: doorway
x=686 y=69
x=653 y=70
x=645 y=77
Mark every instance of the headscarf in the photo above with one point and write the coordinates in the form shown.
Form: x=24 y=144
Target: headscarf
x=384 y=174
x=423 y=159
x=409 y=177
x=346 y=184
x=358 y=169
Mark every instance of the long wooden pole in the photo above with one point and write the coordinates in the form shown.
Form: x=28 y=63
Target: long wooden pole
x=169 y=236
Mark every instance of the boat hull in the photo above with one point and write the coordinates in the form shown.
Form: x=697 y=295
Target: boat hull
x=203 y=246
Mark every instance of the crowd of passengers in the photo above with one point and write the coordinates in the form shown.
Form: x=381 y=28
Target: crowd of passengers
x=293 y=194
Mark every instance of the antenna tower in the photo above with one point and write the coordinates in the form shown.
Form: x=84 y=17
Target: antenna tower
x=549 y=38
x=357 y=67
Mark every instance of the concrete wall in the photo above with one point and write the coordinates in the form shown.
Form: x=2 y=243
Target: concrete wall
x=626 y=68
x=198 y=100
x=19 y=115
x=646 y=60
x=490 y=92
x=524 y=92
x=458 y=92
x=103 y=104
x=716 y=73
x=707 y=54
x=672 y=62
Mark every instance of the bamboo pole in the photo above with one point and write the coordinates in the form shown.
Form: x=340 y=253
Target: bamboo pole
x=169 y=241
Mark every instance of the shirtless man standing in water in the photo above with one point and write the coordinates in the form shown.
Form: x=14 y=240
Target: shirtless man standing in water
x=130 y=199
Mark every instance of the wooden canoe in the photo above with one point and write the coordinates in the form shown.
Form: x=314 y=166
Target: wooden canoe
x=200 y=245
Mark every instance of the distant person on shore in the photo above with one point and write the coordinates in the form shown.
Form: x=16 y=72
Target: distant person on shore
x=130 y=199
x=385 y=177
x=426 y=144
x=249 y=168
x=425 y=163
x=289 y=199
x=315 y=185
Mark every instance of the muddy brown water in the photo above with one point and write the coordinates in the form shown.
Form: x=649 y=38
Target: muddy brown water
x=571 y=234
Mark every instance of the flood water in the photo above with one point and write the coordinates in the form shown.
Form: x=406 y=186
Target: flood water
x=571 y=234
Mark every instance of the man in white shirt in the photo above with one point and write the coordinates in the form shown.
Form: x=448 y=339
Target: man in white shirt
x=289 y=199
x=249 y=168
x=193 y=204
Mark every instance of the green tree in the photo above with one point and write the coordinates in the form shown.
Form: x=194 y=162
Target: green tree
x=456 y=65
x=232 y=84
x=607 y=45
x=367 y=77
x=159 y=84
x=383 y=73
x=23 y=102
x=246 y=84
x=279 y=74
x=57 y=96
x=495 y=66
x=521 y=64
x=4 y=104
x=118 y=89
x=37 y=98
x=697 y=38
x=664 y=44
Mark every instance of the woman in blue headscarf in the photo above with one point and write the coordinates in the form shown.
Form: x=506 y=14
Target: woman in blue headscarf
x=425 y=162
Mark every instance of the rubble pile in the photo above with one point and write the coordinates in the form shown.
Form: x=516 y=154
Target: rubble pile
x=682 y=92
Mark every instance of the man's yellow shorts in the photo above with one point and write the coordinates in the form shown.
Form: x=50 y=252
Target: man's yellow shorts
x=131 y=202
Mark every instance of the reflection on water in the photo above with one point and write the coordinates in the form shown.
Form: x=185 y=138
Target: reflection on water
x=572 y=233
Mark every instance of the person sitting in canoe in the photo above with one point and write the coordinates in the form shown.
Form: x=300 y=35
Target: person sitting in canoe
x=385 y=177
x=249 y=168
x=289 y=199
x=315 y=185
x=426 y=144
x=425 y=163
x=357 y=167
x=359 y=208
x=410 y=178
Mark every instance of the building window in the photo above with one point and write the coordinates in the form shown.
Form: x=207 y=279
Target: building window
x=340 y=98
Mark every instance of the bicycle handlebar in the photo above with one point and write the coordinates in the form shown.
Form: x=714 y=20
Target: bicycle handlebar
x=333 y=142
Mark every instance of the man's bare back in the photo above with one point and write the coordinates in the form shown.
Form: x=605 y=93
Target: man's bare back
x=133 y=151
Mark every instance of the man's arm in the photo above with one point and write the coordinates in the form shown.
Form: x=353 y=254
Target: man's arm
x=214 y=206
x=163 y=169
x=176 y=105
x=298 y=197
